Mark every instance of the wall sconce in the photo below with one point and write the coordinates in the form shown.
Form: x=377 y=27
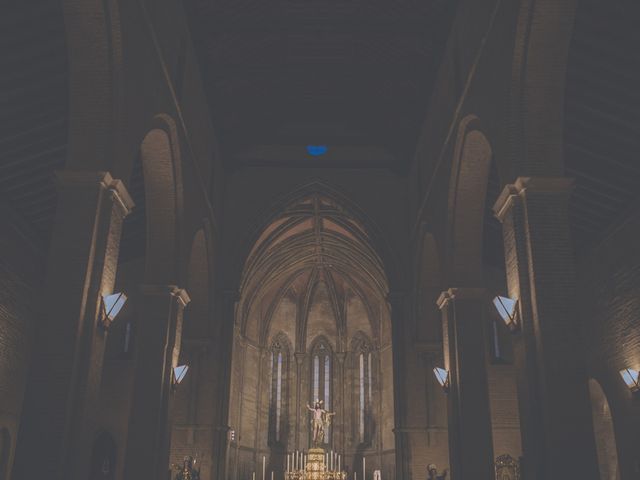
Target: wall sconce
x=508 y=310
x=442 y=376
x=179 y=373
x=111 y=306
x=631 y=378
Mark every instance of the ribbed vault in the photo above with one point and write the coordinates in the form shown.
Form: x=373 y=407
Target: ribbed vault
x=313 y=242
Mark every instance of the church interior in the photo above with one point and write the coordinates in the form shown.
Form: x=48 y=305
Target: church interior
x=320 y=240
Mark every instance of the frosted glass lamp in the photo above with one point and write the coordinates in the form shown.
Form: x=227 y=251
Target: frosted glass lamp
x=442 y=376
x=111 y=306
x=631 y=378
x=508 y=310
x=179 y=373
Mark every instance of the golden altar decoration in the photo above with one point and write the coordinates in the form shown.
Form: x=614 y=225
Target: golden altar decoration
x=315 y=468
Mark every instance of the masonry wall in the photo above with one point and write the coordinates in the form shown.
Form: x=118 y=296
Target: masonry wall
x=20 y=269
x=609 y=304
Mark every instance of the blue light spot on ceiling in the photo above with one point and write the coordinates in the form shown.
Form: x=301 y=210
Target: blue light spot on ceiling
x=316 y=150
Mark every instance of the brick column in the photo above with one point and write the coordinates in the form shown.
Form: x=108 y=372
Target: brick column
x=224 y=348
x=397 y=302
x=470 y=436
x=159 y=323
x=60 y=409
x=555 y=412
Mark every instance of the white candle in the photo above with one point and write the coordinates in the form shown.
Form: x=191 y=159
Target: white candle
x=287 y=463
x=254 y=476
x=355 y=475
x=364 y=468
x=339 y=463
x=271 y=474
x=297 y=460
x=264 y=466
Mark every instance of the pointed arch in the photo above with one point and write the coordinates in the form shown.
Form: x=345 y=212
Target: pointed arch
x=466 y=206
x=605 y=436
x=279 y=368
x=162 y=172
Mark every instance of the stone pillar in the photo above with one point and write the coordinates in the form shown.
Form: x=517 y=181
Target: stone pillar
x=301 y=399
x=60 y=404
x=159 y=324
x=555 y=412
x=224 y=347
x=470 y=438
x=341 y=398
x=397 y=302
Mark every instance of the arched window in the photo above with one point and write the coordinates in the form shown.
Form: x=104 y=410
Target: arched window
x=321 y=378
x=279 y=367
x=363 y=366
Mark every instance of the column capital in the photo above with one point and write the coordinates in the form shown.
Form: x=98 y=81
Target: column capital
x=299 y=356
x=180 y=294
x=460 y=293
x=104 y=180
x=559 y=185
x=341 y=357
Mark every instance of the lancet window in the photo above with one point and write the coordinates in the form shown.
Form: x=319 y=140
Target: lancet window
x=321 y=378
x=363 y=372
x=279 y=367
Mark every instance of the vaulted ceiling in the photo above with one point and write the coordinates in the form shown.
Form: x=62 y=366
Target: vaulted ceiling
x=313 y=241
x=336 y=73
x=354 y=75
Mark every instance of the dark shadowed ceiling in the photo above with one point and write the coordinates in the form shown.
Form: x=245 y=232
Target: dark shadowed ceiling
x=354 y=75
x=317 y=72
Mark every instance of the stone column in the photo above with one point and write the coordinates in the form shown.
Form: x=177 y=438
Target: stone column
x=300 y=401
x=341 y=398
x=159 y=324
x=63 y=389
x=397 y=302
x=470 y=438
x=555 y=412
x=224 y=347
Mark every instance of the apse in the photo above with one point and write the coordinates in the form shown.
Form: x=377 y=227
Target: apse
x=312 y=325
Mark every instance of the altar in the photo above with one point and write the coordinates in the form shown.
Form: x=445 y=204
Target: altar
x=316 y=465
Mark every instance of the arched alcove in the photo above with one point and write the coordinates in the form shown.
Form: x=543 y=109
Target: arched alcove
x=191 y=406
x=603 y=429
x=312 y=300
x=467 y=198
x=160 y=157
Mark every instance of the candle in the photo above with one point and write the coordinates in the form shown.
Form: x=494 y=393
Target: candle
x=271 y=474
x=287 y=463
x=339 y=463
x=264 y=466
x=254 y=476
x=326 y=460
x=364 y=468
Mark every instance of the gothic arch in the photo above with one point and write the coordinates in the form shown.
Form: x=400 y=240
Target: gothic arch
x=604 y=431
x=269 y=217
x=466 y=210
x=161 y=164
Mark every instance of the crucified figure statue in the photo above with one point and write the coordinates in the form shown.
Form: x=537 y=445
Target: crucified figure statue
x=320 y=420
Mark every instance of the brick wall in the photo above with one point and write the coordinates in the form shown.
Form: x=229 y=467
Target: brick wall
x=20 y=265
x=609 y=302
